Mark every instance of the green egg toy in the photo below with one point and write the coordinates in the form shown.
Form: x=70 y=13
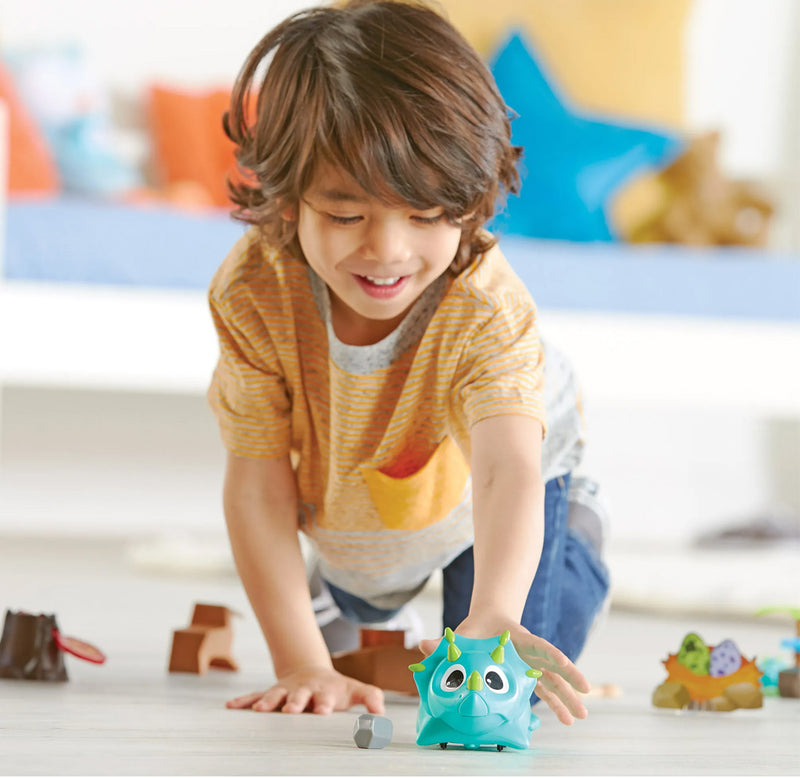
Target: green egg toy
x=695 y=655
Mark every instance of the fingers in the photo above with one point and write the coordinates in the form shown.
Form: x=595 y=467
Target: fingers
x=562 y=699
x=560 y=682
x=245 y=701
x=270 y=700
x=540 y=654
x=428 y=646
x=317 y=697
x=324 y=702
x=297 y=700
x=278 y=698
x=369 y=696
x=568 y=671
x=554 y=703
x=260 y=701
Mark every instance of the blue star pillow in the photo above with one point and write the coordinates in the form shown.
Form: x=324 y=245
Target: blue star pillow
x=573 y=164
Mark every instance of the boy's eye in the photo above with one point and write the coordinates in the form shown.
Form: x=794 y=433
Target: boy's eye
x=348 y=220
x=344 y=219
x=428 y=219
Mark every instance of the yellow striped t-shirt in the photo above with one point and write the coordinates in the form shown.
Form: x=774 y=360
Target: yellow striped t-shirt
x=380 y=433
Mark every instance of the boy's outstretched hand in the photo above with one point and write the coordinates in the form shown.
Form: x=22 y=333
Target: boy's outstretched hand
x=560 y=681
x=316 y=690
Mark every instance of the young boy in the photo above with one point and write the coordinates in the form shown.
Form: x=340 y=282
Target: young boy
x=381 y=385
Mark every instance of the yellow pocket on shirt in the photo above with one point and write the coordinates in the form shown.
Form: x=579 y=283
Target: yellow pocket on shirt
x=422 y=498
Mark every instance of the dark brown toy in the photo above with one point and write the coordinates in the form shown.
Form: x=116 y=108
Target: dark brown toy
x=28 y=649
x=205 y=643
x=381 y=660
x=789 y=682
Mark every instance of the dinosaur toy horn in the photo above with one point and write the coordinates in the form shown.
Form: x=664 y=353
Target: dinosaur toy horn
x=498 y=654
x=453 y=651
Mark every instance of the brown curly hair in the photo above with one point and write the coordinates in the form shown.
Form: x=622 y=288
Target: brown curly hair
x=387 y=91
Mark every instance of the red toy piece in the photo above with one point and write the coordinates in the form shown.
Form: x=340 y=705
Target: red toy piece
x=79 y=648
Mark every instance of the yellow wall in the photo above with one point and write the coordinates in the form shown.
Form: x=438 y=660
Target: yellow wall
x=620 y=56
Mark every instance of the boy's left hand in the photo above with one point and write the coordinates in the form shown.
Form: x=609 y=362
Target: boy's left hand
x=561 y=680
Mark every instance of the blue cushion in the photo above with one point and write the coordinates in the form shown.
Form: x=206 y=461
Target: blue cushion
x=573 y=163
x=76 y=240
x=731 y=282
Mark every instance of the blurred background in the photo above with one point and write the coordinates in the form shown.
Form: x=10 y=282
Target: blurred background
x=657 y=229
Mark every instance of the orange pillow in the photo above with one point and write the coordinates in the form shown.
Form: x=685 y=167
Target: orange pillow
x=31 y=167
x=189 y=142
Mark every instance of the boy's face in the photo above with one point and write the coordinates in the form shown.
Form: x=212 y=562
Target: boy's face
x=376 y=259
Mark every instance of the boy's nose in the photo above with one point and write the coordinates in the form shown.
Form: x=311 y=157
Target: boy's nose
x=386 y=242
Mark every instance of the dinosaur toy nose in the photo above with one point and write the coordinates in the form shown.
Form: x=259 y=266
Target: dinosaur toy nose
x=473 y=705
x=475 y=682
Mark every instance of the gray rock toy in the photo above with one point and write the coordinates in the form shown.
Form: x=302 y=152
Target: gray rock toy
x=371 y=731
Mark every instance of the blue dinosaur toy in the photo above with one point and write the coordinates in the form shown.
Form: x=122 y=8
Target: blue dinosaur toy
x=475 y=693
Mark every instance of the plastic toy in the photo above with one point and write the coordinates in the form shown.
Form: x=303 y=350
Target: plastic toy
x=381 y=660
x=707 y=677
x=371 y=731
x=788 y=679
x=205 y=643
x=475 y=693
x=32 y=648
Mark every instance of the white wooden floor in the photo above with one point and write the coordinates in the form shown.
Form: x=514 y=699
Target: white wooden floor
x=130 y=716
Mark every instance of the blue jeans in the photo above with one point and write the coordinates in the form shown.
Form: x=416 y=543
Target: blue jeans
x=568 y=590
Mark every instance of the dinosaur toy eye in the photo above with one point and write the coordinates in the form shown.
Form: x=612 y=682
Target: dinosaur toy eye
x=454 y=678
x=495 y=679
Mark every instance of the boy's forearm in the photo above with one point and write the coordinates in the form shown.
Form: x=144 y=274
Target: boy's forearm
x=508 y=520
x=266 y=549
x=273 y=575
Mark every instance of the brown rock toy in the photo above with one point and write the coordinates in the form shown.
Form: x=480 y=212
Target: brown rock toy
x=671 y=694
x=205 y=643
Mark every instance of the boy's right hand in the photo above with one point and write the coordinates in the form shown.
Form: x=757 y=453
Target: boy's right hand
x=316 y=690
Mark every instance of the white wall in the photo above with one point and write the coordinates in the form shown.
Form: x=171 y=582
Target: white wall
x=190 y=42
x=739 y=63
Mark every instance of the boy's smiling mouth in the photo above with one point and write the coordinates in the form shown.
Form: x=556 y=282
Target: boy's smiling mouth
x=381 y=287
x=387 y=281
